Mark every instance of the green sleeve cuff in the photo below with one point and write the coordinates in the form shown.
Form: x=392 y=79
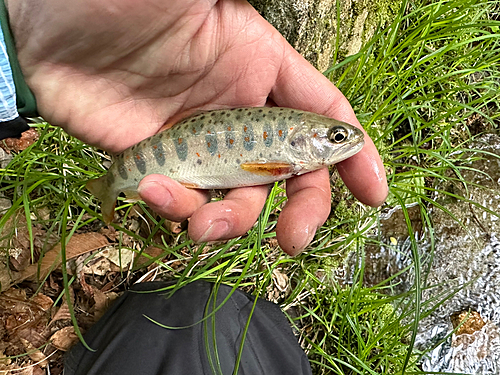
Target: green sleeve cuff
x=25 y=100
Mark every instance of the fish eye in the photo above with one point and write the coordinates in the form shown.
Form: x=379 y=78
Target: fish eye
x=338 y=134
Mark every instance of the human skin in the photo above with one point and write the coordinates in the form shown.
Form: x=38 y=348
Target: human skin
x=113 y=72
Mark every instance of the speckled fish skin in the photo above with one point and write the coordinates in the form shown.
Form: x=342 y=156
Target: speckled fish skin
x=231 y=148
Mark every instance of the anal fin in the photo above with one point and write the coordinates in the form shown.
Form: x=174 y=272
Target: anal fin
x=190 y=185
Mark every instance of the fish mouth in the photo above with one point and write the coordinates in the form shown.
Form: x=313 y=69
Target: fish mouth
x=350 y=150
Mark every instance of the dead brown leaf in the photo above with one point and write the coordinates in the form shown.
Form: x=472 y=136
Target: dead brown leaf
x=61 y=314
x=144 y=259
x=34 y=353
x=64 y=339
x=174 y=226
x=33 y=334
x=102 y=302
x=43 y=301
x=77 y=245
x=87 y=289
x=109 y=232
x=19 y=144
x=99 y=266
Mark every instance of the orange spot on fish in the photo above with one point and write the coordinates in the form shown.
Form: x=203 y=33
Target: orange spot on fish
x=265 y=135
x=179 y=140
x=247 y=139
x=219 y=156
x=209 y=132
x=280 y=132
x=291 y=128
x=194 y=131
x=197 y=154
x=209 y=144
x=315 y=135
x=138 y=157
x=130 y=170
x=229 y=128
x=231 y=141
x=155 y=147
x=241 y=155
x=127 y=157
x=245 y=129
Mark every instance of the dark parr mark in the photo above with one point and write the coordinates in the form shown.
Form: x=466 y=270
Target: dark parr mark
x=140 y=162
x=158 y=153
x=211 y=140
x=122 y=170
x=248 y=137
x=181 y=148
x=230 y=135
x=282 y=129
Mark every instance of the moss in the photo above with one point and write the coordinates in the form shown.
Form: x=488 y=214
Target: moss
x=311 y=26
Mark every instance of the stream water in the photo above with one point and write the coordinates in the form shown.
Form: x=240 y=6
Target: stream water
x=461 y=271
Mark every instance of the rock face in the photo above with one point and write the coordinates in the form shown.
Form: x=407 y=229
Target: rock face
x=316 y=27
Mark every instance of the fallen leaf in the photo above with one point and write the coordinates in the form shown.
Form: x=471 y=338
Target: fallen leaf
x=78 y=244
x=61 y=314
x=109 y=232
x=120 y=257
x=147 y=255
x=87 y=289
x=5 y=158
x=43 y=301
x=4 y=361
x=174 y=226
x=19 y=258
x=102 y=302
x=35 y=354
x=99 y=266
x=32 y=335
x=64 y=339
x=19 y=144
x=280 y=280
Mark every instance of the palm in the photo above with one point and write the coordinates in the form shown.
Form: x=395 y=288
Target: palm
x=200 y=61
x=115 y=72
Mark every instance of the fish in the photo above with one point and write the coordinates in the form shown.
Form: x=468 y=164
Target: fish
x=230 y=148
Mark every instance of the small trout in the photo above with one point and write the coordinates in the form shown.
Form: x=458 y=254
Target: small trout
x=230 y=148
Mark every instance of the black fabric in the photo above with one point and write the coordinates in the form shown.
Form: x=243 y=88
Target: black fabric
x=126 y=342
x=13 y=128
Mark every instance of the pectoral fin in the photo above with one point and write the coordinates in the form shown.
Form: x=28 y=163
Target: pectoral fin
x=101 y=188
x=270 y=168
x=131 y=195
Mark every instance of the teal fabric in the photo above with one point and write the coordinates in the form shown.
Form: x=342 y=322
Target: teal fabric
x=25 y=100
x=8 y=108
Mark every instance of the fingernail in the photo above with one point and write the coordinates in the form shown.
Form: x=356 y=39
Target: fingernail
x=155 y=193
x=311 y=232
x=217 y=230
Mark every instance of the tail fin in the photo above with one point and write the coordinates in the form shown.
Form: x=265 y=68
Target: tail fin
x=101 y=189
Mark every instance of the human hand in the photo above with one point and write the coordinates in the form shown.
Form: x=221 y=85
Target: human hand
x=115 y=72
